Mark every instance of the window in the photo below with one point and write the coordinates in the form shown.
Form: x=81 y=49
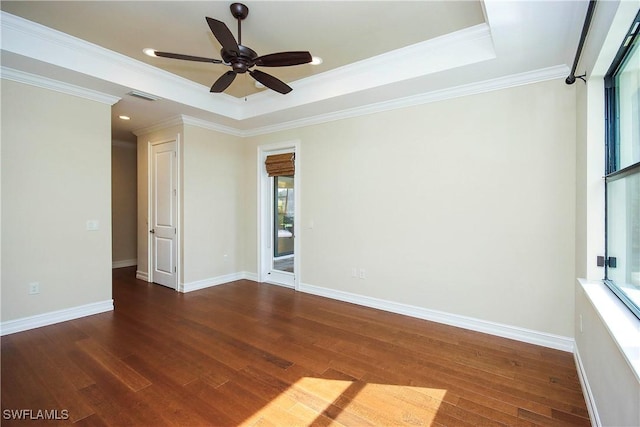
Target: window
x=622 y=258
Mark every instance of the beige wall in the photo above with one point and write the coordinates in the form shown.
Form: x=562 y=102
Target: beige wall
x=213 y=168
x=124 y=201
x=466 y=206
x=249 y=196
x=56 y=163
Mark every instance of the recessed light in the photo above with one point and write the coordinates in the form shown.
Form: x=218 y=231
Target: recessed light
x=125 y=117
x=316 y=60
x=149 y=52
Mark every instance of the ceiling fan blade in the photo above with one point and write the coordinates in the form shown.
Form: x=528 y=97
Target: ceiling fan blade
x=283 y=59
x=223 y=34
x=186 y=57
x=223 y=82
x=271 y=82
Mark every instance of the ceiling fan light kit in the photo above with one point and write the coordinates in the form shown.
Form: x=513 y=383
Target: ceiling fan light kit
x=241 y=58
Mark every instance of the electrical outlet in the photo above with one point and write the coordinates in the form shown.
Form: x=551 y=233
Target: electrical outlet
x=34 y=288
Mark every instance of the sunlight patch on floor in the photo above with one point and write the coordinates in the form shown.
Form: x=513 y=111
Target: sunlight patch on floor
x=325 y=401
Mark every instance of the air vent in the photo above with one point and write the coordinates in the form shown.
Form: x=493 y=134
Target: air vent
x=143 y=95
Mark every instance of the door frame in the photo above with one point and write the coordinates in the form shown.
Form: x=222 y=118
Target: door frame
x=265 y=211
x=178 y=252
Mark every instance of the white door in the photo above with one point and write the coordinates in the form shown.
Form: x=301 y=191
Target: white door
x=279 y=228
x=164 y=214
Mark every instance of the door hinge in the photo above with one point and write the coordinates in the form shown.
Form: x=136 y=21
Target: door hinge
x=610 y=262
x=175 y=231
x=175 y=269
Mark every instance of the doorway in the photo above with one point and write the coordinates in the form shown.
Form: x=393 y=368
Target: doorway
x=163 y=202
x=279 y=209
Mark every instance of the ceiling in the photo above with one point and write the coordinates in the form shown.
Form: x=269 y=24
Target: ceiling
x=376 y=54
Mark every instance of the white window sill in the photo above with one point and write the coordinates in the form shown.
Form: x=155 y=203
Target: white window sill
x=623 y=326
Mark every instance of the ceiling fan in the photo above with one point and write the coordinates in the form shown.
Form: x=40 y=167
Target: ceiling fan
x=241 y=58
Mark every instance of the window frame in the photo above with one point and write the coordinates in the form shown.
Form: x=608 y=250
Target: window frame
x=612 y=171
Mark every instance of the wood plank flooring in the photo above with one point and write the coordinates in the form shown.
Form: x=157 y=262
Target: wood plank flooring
x=250 y=354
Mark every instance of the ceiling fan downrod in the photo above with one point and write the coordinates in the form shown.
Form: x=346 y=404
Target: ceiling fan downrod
x=240 y=12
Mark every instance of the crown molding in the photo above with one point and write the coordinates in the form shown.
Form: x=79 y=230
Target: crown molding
x=464 y=47
x=55 y=85
x=45 y=44
x=536 y=76
x=530 y=77
x=182 y=120
x=188 y=120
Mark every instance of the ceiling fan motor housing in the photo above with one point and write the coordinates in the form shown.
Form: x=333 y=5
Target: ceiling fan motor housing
x=241 y=62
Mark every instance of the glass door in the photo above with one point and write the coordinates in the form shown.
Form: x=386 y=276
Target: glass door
x=283 y=223
x=279 y=206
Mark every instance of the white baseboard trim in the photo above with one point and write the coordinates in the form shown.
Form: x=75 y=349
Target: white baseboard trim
x=594 y=417
x=207 y=283
x=39 y=320
x=250 y=276
x=142 y=275
x=124 y=263
x=478 y=325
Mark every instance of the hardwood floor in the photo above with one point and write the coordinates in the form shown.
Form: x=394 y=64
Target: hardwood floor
x=251 y=354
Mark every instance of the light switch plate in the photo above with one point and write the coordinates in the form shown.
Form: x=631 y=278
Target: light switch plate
x=93 y=225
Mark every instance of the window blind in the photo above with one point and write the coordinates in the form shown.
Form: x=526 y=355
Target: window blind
x=281 y=164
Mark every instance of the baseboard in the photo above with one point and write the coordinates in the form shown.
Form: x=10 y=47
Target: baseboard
x=250 y=276
x=594 y=417
x=207 y=283
x=142 y=275
x=124 y=263
x=39 y=320
x=506 y=331
x=501 y=330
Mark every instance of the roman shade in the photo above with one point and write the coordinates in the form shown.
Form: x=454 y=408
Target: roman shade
x=281 y=164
